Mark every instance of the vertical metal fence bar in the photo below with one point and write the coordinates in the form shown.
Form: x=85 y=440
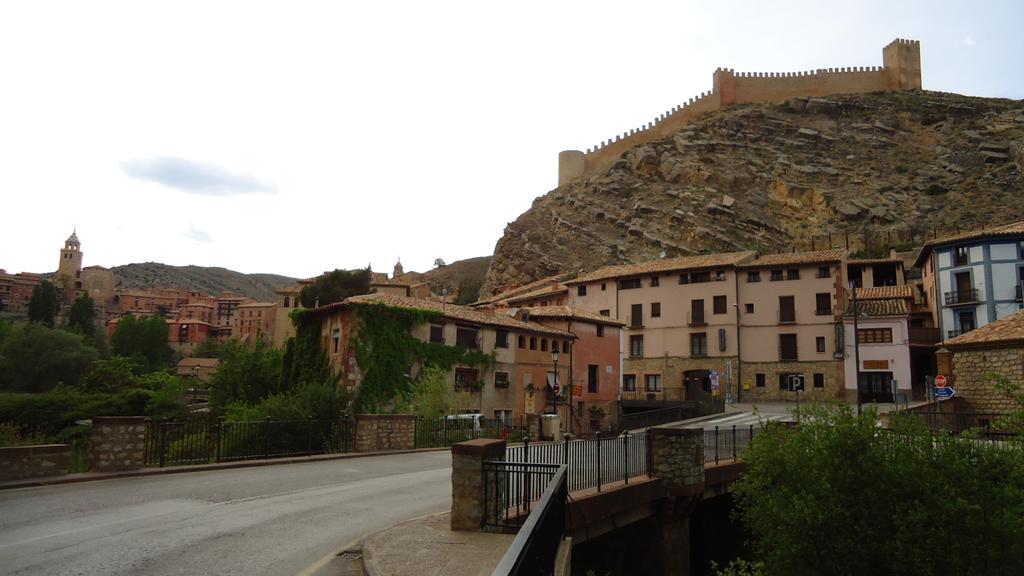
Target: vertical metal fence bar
x=598 y=444
x=625 y=457
x=716 y=444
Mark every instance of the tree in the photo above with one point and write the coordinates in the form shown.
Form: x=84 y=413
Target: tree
x=83 y=315
x=439 y=263
x=35 y=358
x=208 y=348
x=840 y=496
x=246 y=374
x=433 y=394
x=143 y=340
x=43 y=305
x=469 y=290
x=335 y=286
x=112 y=374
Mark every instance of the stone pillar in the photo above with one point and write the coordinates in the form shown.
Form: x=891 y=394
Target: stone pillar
x=118 y=443
x=377 y=432
x=678 y=460
x=944 y=363
x=468 y=481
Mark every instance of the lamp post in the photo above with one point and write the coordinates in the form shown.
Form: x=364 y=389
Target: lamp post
x=555 y=388
x=856 y=342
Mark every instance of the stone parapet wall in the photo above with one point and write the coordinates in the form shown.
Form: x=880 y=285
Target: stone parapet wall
x=118 y=443
x=973 y=385
x=468 y=481
x=835 y=380
x=678 y=458
x=377 y=432
x=21 y=462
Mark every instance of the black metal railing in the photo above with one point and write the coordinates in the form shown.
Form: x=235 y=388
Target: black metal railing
x=536 y=545
x=786 y=316
x=727 y=443
x=967 y=296
x=660 y=416
x=1018 y=293
x=671 y=394
x=591 y=463
x=445 y=431
x=203 y=442
x=696 y=319
x=510 y=490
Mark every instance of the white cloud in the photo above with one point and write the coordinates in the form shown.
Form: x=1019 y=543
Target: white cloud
x=969 y=41
x=198 y=235
x=193 y=177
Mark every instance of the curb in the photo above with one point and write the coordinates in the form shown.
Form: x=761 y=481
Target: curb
x=370 y=567
x=94 y=476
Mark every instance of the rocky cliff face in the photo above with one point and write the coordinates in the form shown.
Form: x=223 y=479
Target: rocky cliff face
x=872 y=170
x=207 y=280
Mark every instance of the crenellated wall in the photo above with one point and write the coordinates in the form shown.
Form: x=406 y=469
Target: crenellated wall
x=901 y=70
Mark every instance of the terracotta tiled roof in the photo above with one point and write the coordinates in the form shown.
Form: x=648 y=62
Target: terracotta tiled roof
x=520 y=290
x=546 y=291
x=723 y=260
x=1013 y=229
x=896 y=260
x=885 y=292
x=878 y=308
x=567 y=312
x=1008 y=330
x=452 y=311
x=795 y=258
x=202 y=362
x=256 y=304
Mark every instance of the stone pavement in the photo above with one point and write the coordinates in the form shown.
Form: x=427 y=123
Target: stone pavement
x=427 y=546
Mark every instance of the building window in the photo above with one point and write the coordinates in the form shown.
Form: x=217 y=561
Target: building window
x=629 y=284
x=819 y=343
x=824 y=272
x=784 y=380
x=286 y=301
x=749 y=308
x=654 y=281
x=961 y=256
x=684 y=278
x=605 y=312
x=437 y=332
x=603 y=286
x=544 y=344
x=699 y=344
x=697 y=312
x=600 y=330
x=501 y=379
x=465 y=379
x=565 y=347
x=823 y=304
x=720 y=275
x=787 y=309
x=819 y=380
x=754 y=276
x=533 y=342
x=875 y=335
x=776 y=275
x=655 y=309
x=501 y=338
x=718 y=304
x=522 y=341
x=629 y=382
x=592 y=378
x=636 y=346
x=793 y=274
x=759 y=380
x=698 y=277
x=652 y=382
x=787 y=347
x=466 y=337
x=336 y=339
x=581 y=290
x=636 y=315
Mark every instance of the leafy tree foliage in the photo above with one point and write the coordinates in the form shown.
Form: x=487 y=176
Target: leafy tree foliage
x=35 y=358
x=439 y=263
x=335 y=286
x=313 y=400
x=83 y=315
x=469 y=290
x=113 y=374
x=840 y=496
x=43 y=305
x=208 y=348
x=143 y=340
x=432 y=394
x=246 y=374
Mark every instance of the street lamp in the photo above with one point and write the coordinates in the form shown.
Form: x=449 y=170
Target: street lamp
x=554 y=386
x=856 y=342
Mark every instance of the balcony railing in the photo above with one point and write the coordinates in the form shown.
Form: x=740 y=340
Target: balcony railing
x=659 y=395
x=1018 y=293
x=788 y=355
x=696 y=319
x=955 y=333
x=968 y=296
x=823 y=311
x=787 y=316
x=636 y=321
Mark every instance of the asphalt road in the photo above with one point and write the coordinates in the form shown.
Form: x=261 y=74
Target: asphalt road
x=266 y=520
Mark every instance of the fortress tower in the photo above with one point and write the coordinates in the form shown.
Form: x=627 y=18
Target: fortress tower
x=70 y=263
x=901 y=70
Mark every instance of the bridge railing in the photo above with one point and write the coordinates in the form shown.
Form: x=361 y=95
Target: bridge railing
x=536 y=545
x=593 y=462
x=726 y=443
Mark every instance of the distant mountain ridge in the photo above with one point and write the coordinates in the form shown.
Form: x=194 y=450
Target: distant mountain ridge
x=204 y=279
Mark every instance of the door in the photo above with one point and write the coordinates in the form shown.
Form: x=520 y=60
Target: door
x=697 y=384
x=964 y=287
x=876 y=387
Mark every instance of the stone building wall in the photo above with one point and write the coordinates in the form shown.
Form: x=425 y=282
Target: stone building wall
x=118 y=443
x=972 y=385
x=21 y=462
x=832 y=369
x=376 y=432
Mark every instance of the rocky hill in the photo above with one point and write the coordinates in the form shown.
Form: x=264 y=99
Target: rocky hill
x=883 y=168
x=468 y=274
x=200 y=278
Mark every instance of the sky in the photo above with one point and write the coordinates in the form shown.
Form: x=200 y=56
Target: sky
x=298 y=137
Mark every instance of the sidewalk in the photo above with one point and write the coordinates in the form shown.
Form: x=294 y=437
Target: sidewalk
x=91 y=476
x=427 y=546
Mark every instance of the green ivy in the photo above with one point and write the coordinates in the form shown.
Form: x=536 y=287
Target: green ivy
x=386 y=350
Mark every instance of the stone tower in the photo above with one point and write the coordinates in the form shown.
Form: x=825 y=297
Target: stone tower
x=398 y=271
x=902 y=61
x=70 y=262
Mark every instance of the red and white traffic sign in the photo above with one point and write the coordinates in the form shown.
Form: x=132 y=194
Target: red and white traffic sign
x=940 y=381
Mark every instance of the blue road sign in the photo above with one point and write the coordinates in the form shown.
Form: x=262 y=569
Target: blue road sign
x=944 y=392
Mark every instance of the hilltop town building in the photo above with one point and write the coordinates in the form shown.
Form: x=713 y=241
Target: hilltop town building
x=255 y=321
x=901 y=70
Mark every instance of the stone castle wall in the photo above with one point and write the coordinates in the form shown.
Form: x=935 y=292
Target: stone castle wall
x=901 y=70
